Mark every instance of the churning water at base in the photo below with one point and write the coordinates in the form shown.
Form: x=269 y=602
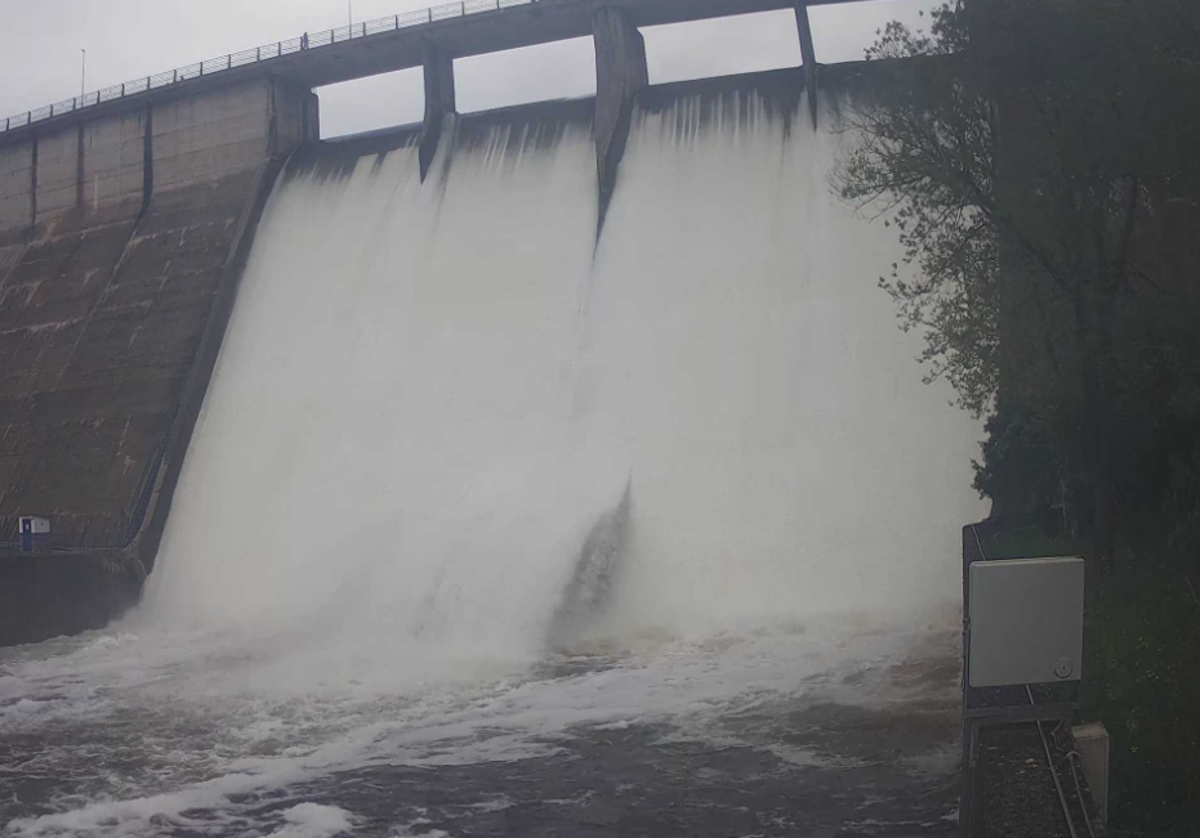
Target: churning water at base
x=429 y=396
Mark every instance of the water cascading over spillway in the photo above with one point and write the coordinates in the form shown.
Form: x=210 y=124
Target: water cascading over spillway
x=487 y=527
x=431 y=393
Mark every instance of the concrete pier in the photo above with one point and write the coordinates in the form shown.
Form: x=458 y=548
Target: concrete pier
x=808 y=55
x=620 y=73
x=439 y=102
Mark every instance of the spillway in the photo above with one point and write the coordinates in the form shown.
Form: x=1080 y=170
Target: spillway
x=429 y=394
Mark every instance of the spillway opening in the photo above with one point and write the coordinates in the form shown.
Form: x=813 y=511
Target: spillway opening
x=557 y=70
x=722 y=46
x=372 y=103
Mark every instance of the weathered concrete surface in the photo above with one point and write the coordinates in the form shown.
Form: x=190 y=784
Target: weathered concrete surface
x=46 y=596
x=112 y=309
x=114 y=154
x=16 y=192
x=57 y=174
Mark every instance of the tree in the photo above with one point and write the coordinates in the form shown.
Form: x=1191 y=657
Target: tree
x=1020 y=148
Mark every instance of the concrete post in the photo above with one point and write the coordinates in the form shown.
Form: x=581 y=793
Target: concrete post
x=439 y=102
x=1091 y=743
x=620 y=73
x=808 y=55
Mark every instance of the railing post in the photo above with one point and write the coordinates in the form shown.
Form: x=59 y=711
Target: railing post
x=122 y=90
x=430 y=10
x=174 y=76
x=147 y=84
x=229 y=61
x=257 y=54
x=397 y=21
x=464 y=7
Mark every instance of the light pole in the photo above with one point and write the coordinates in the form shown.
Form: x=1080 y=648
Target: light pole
x=82 y=76
x=350 y=14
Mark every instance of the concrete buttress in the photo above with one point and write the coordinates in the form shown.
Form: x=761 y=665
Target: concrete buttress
x=439 y=102
x=808 y=55
x=620 y=73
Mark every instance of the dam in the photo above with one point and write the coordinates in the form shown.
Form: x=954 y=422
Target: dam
x=327 y=426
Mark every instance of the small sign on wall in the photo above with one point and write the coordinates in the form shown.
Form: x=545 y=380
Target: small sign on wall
x=35 y=531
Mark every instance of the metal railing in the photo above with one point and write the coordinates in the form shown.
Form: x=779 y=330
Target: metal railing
x=267 y=52
x=133 y=527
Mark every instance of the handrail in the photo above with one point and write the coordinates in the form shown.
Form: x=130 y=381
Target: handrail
x=137 y=515
x=260 y=54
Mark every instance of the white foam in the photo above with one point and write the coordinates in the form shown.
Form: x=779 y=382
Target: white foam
x=312 y=820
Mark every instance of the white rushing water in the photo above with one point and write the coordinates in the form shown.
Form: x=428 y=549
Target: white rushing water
x=429 y=393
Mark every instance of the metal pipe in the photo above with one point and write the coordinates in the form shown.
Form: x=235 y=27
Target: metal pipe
x=1078 y=791
x=1062 y=798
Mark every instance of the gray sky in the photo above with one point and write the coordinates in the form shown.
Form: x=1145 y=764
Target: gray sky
x=128 y=39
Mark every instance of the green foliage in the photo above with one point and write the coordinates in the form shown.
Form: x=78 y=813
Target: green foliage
x=1026 y=152
x=1142 y=644
x=1039 y=161
x=1017 y=461
x=923 y=162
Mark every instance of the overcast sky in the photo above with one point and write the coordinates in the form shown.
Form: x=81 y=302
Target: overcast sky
x=40 y=42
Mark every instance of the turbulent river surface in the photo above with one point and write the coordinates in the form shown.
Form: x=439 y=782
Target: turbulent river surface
x=489 y=526
x=835 y=727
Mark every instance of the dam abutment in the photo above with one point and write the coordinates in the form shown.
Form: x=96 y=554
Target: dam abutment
x=122 y=241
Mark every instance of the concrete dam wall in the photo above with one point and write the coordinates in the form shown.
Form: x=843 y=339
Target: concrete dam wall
x=120 y=241
x=484 y=514
x=524 y=276
x=432 y=389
